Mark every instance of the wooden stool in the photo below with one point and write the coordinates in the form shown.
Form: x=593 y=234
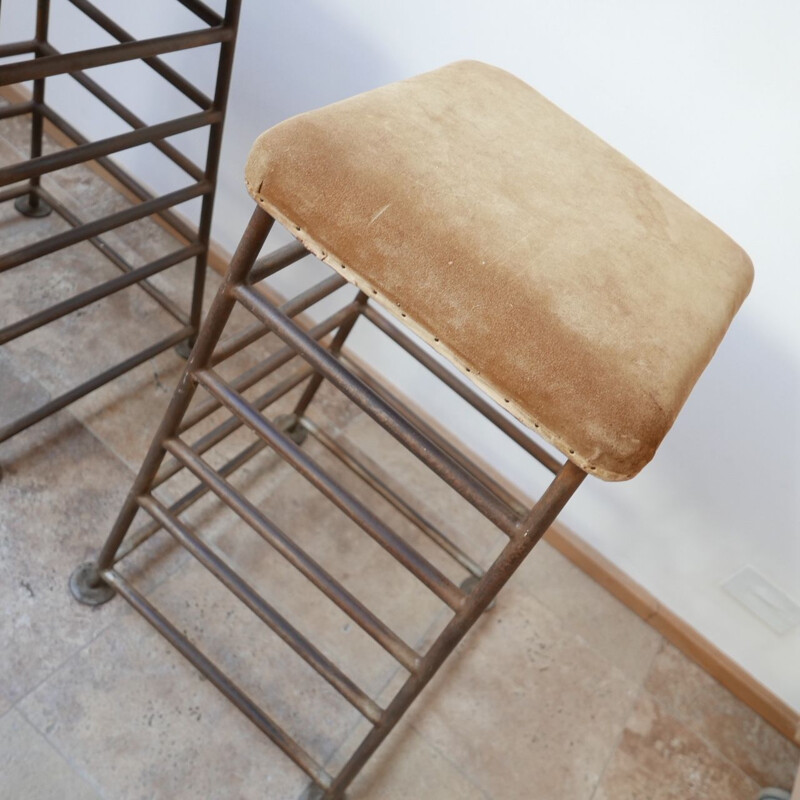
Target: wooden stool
x=561 y=281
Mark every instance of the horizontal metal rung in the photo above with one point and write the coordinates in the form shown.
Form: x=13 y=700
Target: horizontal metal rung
x=50 y=162
x=142 y=534
x=429 y=575
x=118 y=174
x=277 y=260
x=208 y=15
x=514 y=505
x=94 y=294
x=265 y=612
x=264 y=723
x=13 y=192
x=296 y=556
x=92 y=229
x=431 y=455
x=12 y=428
x=409 y=512
x=113 y=255
x=18 y=48
x=124 y=113
x=47 y=66
x=17 y=109
x=226 y=428
x=480 y=404
x=266 y=367
x=291 y=308
x=156 y=64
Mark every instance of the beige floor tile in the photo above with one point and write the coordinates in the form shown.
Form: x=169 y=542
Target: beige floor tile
x=30 y=769
x=587 y=609
x=59 y=494
x=659 y=758
x=137 y=718
x=526 y=708
x=729 y=726
x=406 y=767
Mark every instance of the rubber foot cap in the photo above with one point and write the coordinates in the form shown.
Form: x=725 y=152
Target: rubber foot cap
x=87 y=588
x=23 y=205
x=313 y=792
x=184 y=348
x=469 y=583
x=290 y=425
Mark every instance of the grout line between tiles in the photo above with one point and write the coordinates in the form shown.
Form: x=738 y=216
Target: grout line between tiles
x=618 y=739
x=87 y=779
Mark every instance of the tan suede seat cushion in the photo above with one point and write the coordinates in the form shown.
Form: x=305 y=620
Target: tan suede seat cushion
x=584 y=297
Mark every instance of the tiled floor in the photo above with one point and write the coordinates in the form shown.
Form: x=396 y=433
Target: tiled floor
x=559 y=692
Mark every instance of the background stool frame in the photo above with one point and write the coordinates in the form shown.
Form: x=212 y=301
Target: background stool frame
x=322 y=360
x=21 y=182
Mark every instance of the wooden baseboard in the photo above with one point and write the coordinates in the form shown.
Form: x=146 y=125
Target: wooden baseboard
x=677 y=631
x=589 y=560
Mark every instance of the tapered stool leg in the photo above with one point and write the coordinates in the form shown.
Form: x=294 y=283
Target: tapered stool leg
x=84 y=584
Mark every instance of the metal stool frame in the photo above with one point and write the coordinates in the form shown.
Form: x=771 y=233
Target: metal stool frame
x=322 y=360
x=22 y=180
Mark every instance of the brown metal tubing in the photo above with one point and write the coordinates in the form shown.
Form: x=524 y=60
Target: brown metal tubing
x=410 y=513
x=334 y=349
x=275 y=537
x=13 y=428
x=14 y=192
x=513 y=503
x=266 y=725
x=226 y=428
x=170 y=306
x=251 y=242
x=158 y=66
x=263 y=610
x=444 y=466
x=17 y=109
x=94 y=294
x=207 y=15
x=252 y=333
x=480 y=404
x=37 y=119
x=221 y=89
x=119 y=174
x=92 y=229
x=141 y=535
x=537 y=522
x=429 y=575
x=111 y=102
x=48 y=66
x=103 y=147
x=276 y=261
x=18 y=49
x=265 y=367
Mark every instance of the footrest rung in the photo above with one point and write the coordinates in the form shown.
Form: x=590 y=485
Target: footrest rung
x=265 y=612
x=261 y=720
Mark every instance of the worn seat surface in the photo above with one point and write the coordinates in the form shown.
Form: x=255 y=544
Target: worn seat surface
x=578 y=292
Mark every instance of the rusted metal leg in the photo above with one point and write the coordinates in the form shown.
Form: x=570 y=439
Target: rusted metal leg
x=243 y=259
x=212 y=168
x=290 y=423
x=31 y=204
x=530 y=532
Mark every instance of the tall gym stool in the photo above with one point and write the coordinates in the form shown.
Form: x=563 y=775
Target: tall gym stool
x=568 y=288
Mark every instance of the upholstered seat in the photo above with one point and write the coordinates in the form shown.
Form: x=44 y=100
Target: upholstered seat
x=583 y=296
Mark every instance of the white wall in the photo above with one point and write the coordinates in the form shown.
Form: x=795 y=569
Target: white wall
x=705 y=96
